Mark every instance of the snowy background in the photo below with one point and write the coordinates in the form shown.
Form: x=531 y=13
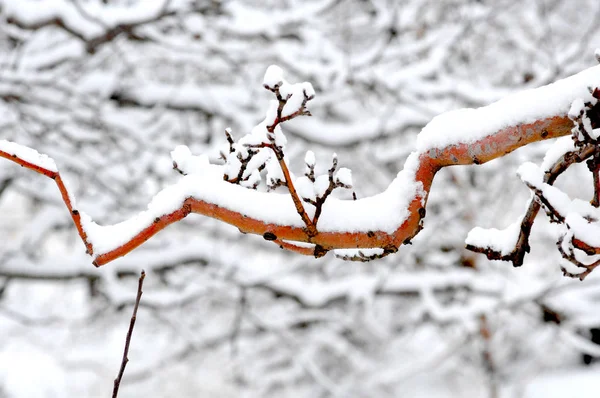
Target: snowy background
x=109 y=88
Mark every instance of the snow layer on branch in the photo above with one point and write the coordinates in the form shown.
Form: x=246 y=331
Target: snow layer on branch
x=37 y=12
x=305 y=188
x=531 y=174
x=273 y=77
x=310 y=159
x=29 y=155
x=385 y=212
x=293 y=94
x=575 y=212
x=188 y=163
x=208 y=186
x=344 y=176
x=584 y=230
x=561 y=146
x=470 y=125
x=499 y=240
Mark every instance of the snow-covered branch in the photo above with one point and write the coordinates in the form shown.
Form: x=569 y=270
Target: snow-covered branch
x=512 y=243
x=318 y=222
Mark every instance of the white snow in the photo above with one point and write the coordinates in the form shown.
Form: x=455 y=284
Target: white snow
x=561 y=146
x=584 y=230
x=385 y=211
x=470 y=125
x=305 y=188
x=500 y=240
x=580 y=383
x=309 y=159
x=530 y=173
x=576 y=212
x=274 y=172
x=295 y=94
x=29 y=155
x=188 y=163
x=344 y=176
x=273 y=77
x=577 y=108
x=321 y=185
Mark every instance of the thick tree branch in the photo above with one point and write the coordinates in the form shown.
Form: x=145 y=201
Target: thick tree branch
x=421 y=168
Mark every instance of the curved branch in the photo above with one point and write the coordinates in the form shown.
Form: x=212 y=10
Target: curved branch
x=394 y=217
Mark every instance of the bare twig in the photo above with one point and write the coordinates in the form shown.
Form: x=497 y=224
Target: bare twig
x=311 y=228
x=117 y=381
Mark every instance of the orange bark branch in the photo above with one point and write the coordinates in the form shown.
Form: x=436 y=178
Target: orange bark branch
x=484 y=150
x=63 y=191
x=430 y=161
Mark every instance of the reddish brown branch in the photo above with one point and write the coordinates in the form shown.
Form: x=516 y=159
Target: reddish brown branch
x=484 y=150
x=125 y=359
x=311 y=228
x=63 y=191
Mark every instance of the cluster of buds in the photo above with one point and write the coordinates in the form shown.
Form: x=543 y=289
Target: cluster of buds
x=258 y=160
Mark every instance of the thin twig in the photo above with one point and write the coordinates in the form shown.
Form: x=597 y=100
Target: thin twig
x=311 y=228
x=117 y=381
